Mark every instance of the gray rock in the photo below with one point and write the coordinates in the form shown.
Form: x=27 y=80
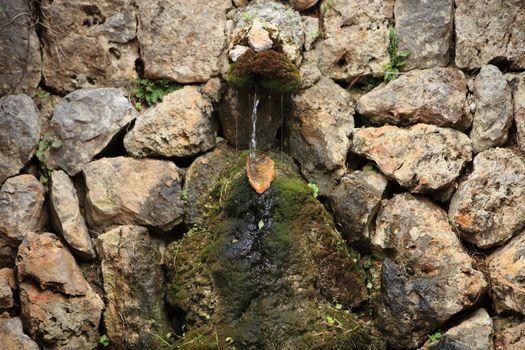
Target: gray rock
x=506 y=267
x=21 y=212
x=58 y=307
x=425 y=29
x=85 y=121
x=433 y=96
x=311 y=31
x=281 y=22
x=474 y=333
x=355 y=202
x=134 y=283
x=93 y=46
x=421 y=158
x=517 y=83
x=20 y=125
x=489 y=205
x=196 y=44
x=181 y=125
x=321 y=124
x=13 y=337
x=510 y=333
x=489 y=31
x=124 y=191
x=66 y=217
x=301 y=5
x=493 y=116
x=7 y=287
x=427 y=277
x=20 y=61
x=355 y=38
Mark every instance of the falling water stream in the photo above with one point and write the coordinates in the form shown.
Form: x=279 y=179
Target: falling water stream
x=253 y=141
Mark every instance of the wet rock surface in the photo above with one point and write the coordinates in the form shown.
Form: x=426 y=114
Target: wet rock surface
x=426 y=276
x=261 y=236
x=355 y=202
x=355 y=38
x=66 y=217
x=489 y=31
x=20 y=125
x=203 y=34
x=58 y=306
x=489 y=205
x=494 y=109
x=421 y=158
x=19 y=49
x=506 y=266
x=321 y=124
x=85 y=121
x=13 y=337
x=433 y=96
x=425 y=29
x=21 y=212
x=114 y=198
x=133 y=282
x=181 y=125
x=94 y=45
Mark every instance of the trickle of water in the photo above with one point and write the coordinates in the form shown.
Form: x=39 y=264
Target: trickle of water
x=253 y=141
x=282 y=127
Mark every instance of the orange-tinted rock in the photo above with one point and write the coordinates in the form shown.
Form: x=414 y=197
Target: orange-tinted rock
x=260 y=170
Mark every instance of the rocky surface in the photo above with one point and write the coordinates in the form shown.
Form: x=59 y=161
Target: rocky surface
x=433 y=96
x=494 y=109
x=268 y=24
x=474 y=333
x=517 y=83
x=58 y=306
x=94 y=45
x=20 y=125
x=321 y=124
x=509 y=333
x=7 y=287
x=425 y=30
x=421 y=158
x=122 y=191
x=301 y=5
x=66 y=217
x=426 y=276
x=133 y=282
x=181 y=125
x=85 y=121
x=201 y=33
x=21 y=212
x=355 y=38
x=489 y=205
x=355 y=202
x=506 y=267
x=282 y=238
x=489 y=31
x=20 y=59
x=13 y=337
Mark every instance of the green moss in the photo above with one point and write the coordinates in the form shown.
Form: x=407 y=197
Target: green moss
x=270 y=70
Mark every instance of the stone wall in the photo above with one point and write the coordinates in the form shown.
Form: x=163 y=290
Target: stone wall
x=424 y=175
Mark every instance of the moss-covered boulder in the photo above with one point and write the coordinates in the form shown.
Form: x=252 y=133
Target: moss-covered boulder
x=266 y=271
x=270 y=70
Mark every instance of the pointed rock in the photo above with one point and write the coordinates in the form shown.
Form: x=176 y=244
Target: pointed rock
x=260 y=170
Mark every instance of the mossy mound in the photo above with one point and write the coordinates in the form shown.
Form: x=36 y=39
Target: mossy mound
x=267 y=271
x=269 y=70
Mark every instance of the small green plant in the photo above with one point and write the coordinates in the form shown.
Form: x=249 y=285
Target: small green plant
x=368 y=83
x=260 y=225
x=43 y=145
x=397 y=58
x=315 y=35
x=333 y=322
x=246 y=16
x=327 y=6
x=314 y=188
x=41 y=94
x=149 y=92
x=104 y=340
x=435 y=337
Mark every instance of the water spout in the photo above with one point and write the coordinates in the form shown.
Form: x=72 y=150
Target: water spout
x=253 y=140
